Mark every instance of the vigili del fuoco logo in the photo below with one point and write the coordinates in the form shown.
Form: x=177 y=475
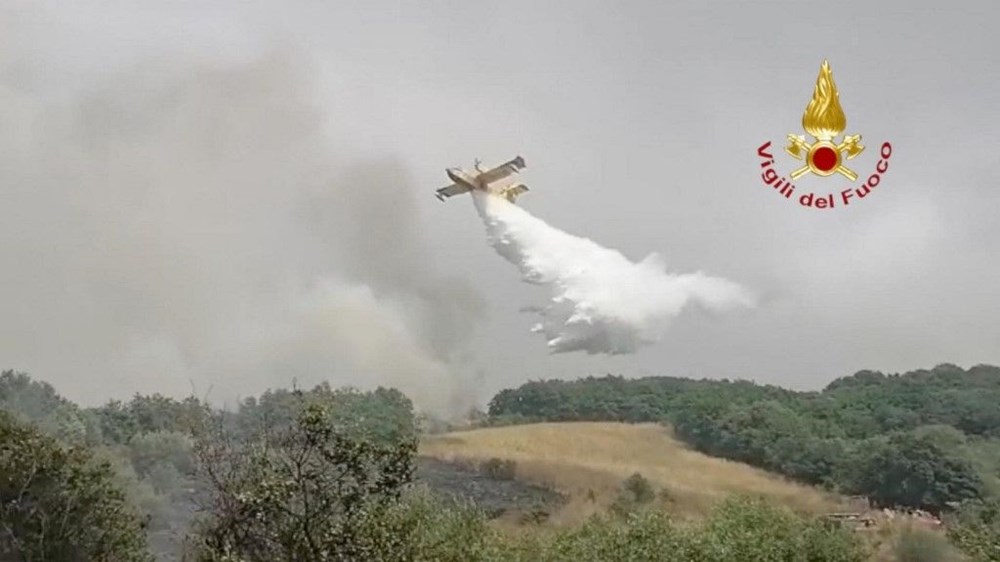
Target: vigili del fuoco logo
x=824 y=119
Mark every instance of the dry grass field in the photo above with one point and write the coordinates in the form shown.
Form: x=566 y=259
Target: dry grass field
x=589 y=461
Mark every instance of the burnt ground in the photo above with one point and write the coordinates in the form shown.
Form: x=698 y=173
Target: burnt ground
x=495 y=496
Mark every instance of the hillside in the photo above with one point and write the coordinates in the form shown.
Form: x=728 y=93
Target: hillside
x=927 y=439
x=164 y=459
x=589 y=460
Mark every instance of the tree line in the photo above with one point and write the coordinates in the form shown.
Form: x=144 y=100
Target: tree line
x=157 y=478
x=327 y=474
x=926 y=439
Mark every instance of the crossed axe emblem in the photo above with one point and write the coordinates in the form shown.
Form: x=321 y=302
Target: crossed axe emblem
x=823 y=157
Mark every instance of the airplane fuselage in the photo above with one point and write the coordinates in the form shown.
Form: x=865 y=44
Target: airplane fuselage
x=459 y=176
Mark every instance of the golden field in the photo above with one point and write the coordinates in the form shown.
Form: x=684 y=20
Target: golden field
x=588 y=461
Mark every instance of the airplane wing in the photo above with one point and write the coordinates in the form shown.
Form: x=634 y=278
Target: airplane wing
x=453 y=189
x=502 y=171
x=513 y=191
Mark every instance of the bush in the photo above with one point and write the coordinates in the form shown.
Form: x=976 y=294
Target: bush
x=739 y=530
x=499 y=469
x=420 y=527
x=975 y=529
x=743 y=528
x=647 y=536
x=636 y=491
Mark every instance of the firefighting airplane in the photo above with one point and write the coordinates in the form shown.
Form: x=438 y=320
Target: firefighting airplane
x=481 y=180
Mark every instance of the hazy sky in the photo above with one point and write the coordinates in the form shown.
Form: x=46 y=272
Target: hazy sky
x=228 y=195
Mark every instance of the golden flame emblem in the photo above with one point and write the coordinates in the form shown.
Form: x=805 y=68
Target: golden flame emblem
x=824 y=119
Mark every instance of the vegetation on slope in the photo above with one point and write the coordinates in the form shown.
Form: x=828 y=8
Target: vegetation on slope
x=925 y=439
x=328 y=473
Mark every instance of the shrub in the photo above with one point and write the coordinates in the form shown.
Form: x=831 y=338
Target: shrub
x=739 y=530
x=499 y=469
x=975 y=529
x=744 y=528
x=647 y=536
x=419 y=527
x=636 y=491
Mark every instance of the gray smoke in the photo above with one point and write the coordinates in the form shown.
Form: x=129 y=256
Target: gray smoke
x=188 y=223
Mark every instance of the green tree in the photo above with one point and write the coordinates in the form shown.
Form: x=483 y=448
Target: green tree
x=39 y=403
x=913 y=470
x=58 y=503
x=310 y=491
x=383 y=414
x=150 y=451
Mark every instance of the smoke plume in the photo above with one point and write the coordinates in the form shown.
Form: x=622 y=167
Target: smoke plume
x=601 y=302
x=187 y=223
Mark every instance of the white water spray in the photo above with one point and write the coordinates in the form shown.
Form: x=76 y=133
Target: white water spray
x=601 y=302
